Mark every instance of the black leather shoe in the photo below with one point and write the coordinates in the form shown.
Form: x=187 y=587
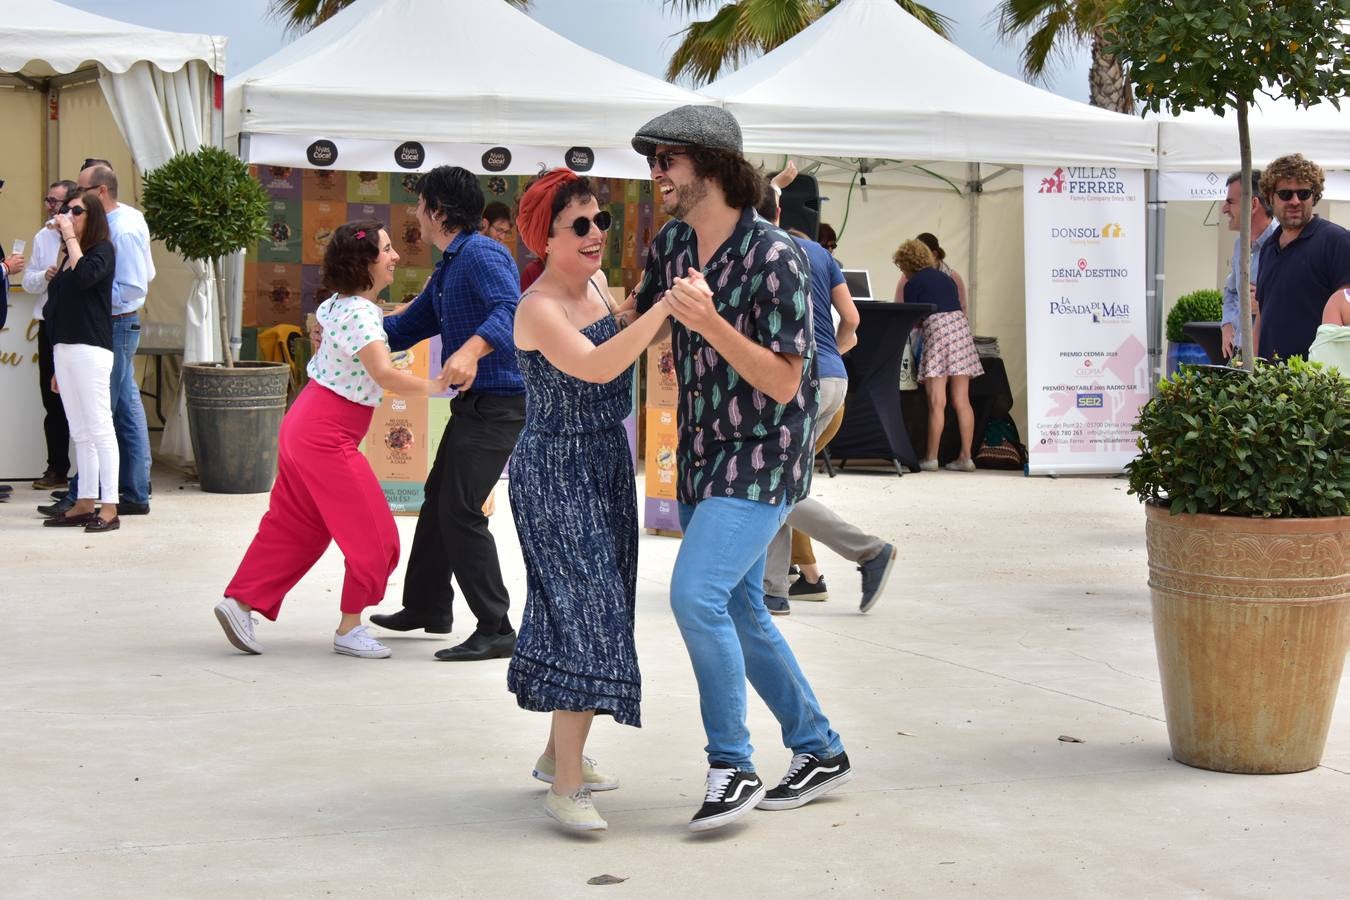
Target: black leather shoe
x=60 y=495
x=480 y=646
x=131 y=508
x=6 y=489
x=58 y=508
x=78 y=521
x=405 y=620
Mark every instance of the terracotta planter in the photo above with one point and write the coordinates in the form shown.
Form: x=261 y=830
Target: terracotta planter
x=1252 y=622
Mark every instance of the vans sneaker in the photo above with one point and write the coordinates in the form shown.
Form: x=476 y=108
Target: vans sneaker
x=358 y=642
x=575 y=812
x=545 y=768
x=928 y=465
x=731 y=794
x=960 y=465
x=807 y=778
x=777 y=606
x=238 y=626
x=874 y=574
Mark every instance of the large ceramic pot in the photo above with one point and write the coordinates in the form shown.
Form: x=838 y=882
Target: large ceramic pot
x=1252 y=622
x=234 y=415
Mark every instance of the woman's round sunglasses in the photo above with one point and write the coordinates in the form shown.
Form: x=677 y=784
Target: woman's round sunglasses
x=581 y=226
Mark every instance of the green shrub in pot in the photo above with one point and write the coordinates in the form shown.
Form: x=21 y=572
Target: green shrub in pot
x=1197 y=306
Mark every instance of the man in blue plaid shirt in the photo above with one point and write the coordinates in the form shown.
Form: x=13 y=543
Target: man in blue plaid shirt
x=470 y=302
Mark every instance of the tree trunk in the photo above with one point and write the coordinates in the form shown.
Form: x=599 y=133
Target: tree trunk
x=1108 y=87
x=1245 y=241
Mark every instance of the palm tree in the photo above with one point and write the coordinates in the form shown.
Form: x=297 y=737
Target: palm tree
x=1052 y=27
x=302 y=15
x=746 y=27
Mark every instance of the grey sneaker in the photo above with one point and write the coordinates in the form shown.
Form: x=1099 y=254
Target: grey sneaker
x=960 y=465
x=928 y=465
x=238 y=626
x=777 y=606
x=874 y=574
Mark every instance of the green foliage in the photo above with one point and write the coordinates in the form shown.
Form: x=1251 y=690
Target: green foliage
x=205 y=205
x=1197 y=306
x=1274 y=443
x=1213 y=55
x=746 y=28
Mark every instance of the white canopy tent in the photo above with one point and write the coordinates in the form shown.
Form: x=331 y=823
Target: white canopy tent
x=159 y=89
x=1202 y=141
x=875 y=97
x=475 y=73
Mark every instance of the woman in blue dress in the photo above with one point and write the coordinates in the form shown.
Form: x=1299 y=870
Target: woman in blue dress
x=572 y=493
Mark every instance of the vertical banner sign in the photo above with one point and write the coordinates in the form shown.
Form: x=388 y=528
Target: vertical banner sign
x=1087 y=326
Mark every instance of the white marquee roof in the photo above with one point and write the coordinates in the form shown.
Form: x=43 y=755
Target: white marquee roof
x=42 y=38
x=868 y=80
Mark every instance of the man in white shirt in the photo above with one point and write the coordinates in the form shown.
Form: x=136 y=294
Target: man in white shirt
x=131 y=282
x=42 y=263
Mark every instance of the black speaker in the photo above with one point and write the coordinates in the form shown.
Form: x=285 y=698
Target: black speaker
x=799 y=206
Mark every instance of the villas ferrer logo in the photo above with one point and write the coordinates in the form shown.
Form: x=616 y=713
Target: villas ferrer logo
x=1082 y=180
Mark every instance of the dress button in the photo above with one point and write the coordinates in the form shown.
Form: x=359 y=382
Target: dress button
x=735 y=434
x=696 y=393
x=730 y=492
x=782 y=456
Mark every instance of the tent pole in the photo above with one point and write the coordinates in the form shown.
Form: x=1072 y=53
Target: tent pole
x=51 y=132
x=1155 y=274
x=974 y=187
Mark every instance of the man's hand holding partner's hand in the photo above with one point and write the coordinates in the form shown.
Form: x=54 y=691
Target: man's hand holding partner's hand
x=691 y=301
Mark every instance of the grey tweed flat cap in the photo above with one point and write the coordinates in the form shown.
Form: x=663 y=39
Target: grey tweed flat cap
x=698 y=126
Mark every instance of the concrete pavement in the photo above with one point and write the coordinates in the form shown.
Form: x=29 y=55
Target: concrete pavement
x=147 y=758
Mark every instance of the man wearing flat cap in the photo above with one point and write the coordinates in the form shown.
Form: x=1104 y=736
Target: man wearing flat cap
x=738 y=288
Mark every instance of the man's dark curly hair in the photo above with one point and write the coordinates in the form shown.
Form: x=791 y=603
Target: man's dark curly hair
x=455 y=193
x=741 y=182
x=352 y=249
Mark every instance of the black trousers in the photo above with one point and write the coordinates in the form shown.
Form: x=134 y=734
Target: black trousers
x=54 y=425
x=452 y=536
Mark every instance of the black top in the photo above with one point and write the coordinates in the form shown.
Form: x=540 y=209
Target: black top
x=933 y=286
x=79 y=300
x=1294 y=282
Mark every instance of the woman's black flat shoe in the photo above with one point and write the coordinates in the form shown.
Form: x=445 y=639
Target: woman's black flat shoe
x=68 y=521
x=99 y=524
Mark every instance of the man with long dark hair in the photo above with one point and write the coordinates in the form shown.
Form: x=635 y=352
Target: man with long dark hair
x=744 y=353
x=470 y=302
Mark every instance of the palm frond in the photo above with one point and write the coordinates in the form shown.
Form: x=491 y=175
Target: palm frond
x=708 y=46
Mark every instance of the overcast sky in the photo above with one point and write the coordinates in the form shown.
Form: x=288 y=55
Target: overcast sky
x=637 y=33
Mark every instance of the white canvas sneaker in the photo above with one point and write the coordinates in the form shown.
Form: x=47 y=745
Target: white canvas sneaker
x=544 y=770
x=238 y=626
x=358 y=642
x=575 y=812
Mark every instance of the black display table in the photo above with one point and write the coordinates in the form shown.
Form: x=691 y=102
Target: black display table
x=990 y=398
x=874 y=426
x=1208 y=335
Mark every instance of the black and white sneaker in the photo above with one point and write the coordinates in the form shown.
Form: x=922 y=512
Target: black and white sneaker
x=731 y=794
x=807 y=778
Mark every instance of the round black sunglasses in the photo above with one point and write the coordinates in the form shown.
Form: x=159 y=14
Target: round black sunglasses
x=581 y=226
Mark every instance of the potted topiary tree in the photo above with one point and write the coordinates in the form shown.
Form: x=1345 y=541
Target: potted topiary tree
x=1197 y=306
x=205 y=206
x=1246 y=477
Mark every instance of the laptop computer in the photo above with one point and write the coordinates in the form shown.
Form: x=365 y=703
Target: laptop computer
x=859 y=283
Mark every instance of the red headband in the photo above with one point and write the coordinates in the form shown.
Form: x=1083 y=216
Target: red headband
x=536 y=208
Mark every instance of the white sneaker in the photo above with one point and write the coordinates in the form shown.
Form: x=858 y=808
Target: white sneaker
x=358 y=642
x=238 y=626
x=928 y=465
x=960 y=465
x=575 y=812
x=544 y=770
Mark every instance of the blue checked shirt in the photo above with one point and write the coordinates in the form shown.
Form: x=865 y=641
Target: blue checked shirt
x=473 y=291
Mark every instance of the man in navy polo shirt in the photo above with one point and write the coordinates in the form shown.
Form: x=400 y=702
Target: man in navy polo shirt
x=1301 y=265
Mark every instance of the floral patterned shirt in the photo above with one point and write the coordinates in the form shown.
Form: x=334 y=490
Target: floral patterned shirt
x=735 y=441
x=349 y=324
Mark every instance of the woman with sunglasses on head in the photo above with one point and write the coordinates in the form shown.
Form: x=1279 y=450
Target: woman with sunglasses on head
x=79 y=317
x=572 y=493
x=325 y=489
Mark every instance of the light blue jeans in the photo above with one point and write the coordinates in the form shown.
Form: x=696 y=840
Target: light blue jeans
x=717 y=595
x=133 y=436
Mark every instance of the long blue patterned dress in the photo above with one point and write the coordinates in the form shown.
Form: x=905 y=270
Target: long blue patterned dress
x=575 y=508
